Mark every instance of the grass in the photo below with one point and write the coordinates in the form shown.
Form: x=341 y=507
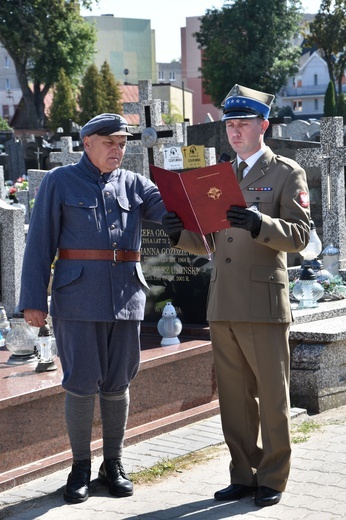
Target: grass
x=301 y=432
x=169 y=467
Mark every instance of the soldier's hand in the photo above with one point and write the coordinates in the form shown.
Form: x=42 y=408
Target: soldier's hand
x=172 y=225
x=245 y=218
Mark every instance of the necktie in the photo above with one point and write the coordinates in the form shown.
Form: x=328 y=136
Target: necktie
x=241 y=167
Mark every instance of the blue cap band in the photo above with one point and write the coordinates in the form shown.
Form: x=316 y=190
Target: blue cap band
x=244 y=107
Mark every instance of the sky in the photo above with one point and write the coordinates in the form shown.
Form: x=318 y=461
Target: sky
x=167 y=20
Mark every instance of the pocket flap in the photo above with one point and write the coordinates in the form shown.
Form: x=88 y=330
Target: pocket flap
x=263 y=273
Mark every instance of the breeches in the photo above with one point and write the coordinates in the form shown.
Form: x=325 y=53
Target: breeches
x=252 y=370
x=97 y=355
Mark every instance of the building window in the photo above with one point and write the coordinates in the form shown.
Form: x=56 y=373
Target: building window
x=161 y=75
x=8 y=84
x=315 y=80
x=297 y=105
x=299 y=83
x=7 y=62
x=172 y=76
x=316 y=104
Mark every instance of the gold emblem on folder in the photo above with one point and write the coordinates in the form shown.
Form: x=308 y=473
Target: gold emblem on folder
x=214 y=193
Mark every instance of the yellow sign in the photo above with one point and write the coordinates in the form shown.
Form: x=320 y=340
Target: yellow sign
x=193 y=156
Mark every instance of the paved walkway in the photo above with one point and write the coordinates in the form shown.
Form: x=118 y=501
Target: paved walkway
x=316 y=489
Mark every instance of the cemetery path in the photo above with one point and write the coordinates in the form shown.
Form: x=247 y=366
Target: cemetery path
x=316 y=488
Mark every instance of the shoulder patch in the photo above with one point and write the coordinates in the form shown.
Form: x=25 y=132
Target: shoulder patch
x=303 y=199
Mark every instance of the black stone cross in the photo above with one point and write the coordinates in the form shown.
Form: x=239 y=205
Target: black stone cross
x=152 y=134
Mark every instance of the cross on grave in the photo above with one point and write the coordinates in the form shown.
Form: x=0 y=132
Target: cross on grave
x=67 y=155
x=331 y=158
x=38 y=153
x=151 y=132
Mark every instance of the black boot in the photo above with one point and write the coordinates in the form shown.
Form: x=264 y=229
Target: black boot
x=77 y=487
x=112 y=474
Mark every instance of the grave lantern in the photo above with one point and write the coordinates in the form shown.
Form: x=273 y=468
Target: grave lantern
x=169 y=326
x=307 y=290
x=44 y=347
x=21 y=341
x=4 y=323
x=311 y=252
x=331 y=259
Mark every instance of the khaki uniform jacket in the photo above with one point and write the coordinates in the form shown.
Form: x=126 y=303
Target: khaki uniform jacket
x=249 y=281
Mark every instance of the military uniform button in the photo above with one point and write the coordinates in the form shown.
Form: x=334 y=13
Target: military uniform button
x=228 y=260
x=230 y=239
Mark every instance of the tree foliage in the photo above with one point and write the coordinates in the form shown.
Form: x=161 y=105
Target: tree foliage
x=91 y=98
x=328 y=33
x=248 y=42
x=111 y=88
x=99 y=93
x=41 y=37
x=329 y=109
x=64 y=104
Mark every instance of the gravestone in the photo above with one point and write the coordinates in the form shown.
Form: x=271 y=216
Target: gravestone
x=173 y=276
x=12 y=243
x=3 y=191
x=66 y=155
x=331 y=158
x=16 y=163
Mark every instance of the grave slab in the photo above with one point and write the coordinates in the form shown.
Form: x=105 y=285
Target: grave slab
x=175 y=386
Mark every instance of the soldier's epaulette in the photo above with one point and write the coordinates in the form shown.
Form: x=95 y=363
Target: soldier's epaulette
x=290 y=162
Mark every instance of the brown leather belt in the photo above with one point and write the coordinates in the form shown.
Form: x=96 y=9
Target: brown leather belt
x=115 y=255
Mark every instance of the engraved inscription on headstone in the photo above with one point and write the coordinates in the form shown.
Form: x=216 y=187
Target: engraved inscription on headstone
x=173 y=276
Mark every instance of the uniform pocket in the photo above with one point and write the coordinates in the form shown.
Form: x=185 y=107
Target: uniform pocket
x=269 y=292
x=64 y=277
x=82 y=210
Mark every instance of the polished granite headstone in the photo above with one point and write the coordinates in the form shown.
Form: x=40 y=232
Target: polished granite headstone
x=173 y=276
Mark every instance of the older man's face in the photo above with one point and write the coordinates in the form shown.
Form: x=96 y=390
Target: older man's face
x=106 y=152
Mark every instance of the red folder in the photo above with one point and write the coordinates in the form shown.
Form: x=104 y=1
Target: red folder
x=200 y=197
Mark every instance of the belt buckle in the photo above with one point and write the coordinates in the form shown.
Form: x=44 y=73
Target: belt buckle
x=115 y=256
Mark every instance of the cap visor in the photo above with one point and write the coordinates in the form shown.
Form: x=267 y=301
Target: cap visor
x=121 y=132
x=239 y=115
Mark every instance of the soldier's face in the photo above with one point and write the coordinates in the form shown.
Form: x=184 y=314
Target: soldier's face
x=106 y=152
x=246 y=135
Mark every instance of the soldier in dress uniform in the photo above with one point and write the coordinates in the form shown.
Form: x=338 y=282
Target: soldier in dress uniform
x=249 y=310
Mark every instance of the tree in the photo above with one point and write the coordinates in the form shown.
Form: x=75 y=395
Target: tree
x=41 y=37
x=329 y=101
x=173 y=115
x=92 y=97
x=286 y=111
x=112 y=93
x=328 y=33
x=341 y=107
x=64 y=104
x=248 y=42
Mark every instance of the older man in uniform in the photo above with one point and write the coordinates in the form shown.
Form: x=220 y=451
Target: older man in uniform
x=92 y=213
x=248 y=305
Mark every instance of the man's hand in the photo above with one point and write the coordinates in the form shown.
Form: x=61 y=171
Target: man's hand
x=34 y=317
x=172 y=225
x=245 y=218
